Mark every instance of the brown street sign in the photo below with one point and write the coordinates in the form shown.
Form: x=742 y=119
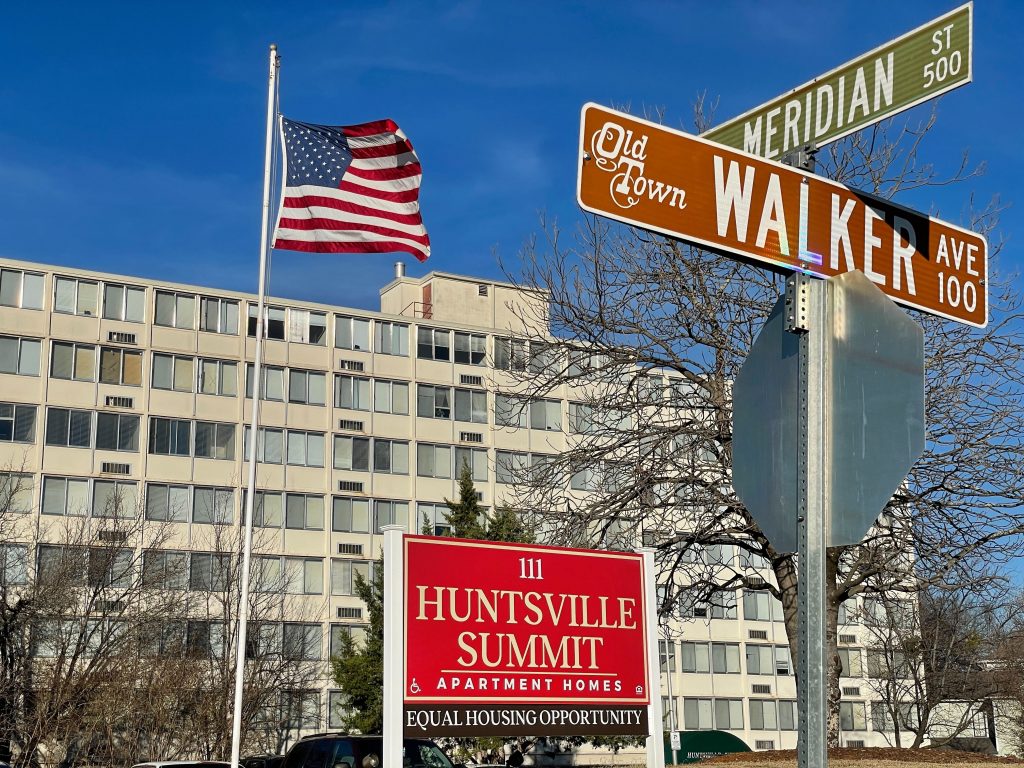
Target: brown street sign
x=656 y=178
x=924 y=63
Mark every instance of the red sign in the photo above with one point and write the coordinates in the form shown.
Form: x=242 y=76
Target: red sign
x=493 y=622
x=644 y=174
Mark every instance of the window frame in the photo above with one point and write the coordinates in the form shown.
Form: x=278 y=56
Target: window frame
x=179 y=302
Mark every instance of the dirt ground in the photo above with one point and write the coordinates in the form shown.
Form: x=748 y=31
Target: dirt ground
x=866 y=758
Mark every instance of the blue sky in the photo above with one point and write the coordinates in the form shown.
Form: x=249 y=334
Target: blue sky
x=133 y=132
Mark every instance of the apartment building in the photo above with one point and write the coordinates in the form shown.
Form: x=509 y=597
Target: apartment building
x=112 y=384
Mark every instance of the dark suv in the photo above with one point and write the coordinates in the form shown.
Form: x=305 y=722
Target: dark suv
x=339 y=750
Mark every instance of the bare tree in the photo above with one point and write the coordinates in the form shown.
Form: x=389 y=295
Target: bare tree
x=646 y=335
x=73 y=615
x=929 y=662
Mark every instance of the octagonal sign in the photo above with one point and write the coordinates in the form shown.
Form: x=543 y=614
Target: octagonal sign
x=874 y=414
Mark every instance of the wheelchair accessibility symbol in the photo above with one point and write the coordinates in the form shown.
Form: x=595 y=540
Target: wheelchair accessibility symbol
x=415 y=687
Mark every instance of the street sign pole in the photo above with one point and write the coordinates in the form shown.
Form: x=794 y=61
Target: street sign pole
x=810 y=317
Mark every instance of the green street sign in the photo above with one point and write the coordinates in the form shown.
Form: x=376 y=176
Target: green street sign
x=924 y=63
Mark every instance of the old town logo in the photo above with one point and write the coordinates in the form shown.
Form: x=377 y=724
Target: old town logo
x=619 y=152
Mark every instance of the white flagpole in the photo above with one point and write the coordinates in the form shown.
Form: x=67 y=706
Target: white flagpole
x=243 y=597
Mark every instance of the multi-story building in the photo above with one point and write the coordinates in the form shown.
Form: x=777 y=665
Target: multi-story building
x=115 y=383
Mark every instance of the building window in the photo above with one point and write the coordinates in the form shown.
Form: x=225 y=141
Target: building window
x=433 y=460
x=17 y=491
x=725 y=658
x=783 y=662
x=175 y=310
x=170 y=437
x=351 y=392
x=124 y=302
x=69 y=428
x=546 y=414
x=470 y=348
x=391 y=397
x=850 y=658
x=433 y=402
x=391 y=339
x=13 y=564
x=390 y=513
x=218 y=377
x=724 y=606
x=509 y=354
x=302 y=642
x=351 y=333
x=760 y=659
x=695 y=657
x=435 y=518
x=350 y=515
x=165 y=569
x=208 y=571
x=352 y=453
x=273 y=382
x=19 y=356
x=307 y=327
x=510 y=467
x=275 y=322
x=106 y=568
x=213 y=505
x=21 y=289
x=215 y=440
x=848 y=611
x=114 y=498
x=697 y=715
x=76 y=362
x=433 y=344
x=728 y=714
x=852 y=716
x=267 y=510
x=218 y=315
x=269 y=448
x=761 y=606
x=304 y=512
x=787 y=716
x=305 y=449
x=475 y=459
x=763 y=715
x=17 y=423
x=391 y=456
x=75 y=297
x=300 y=709
x=307 y=387
x=117 y=432
x=471 y=406
x=510 y=411
x=65 y=496
x=303 y=576
x=167 y=502
x=204 y=639
x=173 y=372
x=667 y=655
x=355 y=631
x=343 y=575
x=120 y=366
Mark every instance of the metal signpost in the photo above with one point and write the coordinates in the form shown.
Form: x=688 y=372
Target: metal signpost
x=926 y=62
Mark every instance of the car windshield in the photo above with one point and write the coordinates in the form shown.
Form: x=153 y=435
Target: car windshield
x=415 y=753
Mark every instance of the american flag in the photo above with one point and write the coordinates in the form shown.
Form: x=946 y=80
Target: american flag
x=350 y=189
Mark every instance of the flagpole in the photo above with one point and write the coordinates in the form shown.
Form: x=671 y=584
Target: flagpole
x=243 y=596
